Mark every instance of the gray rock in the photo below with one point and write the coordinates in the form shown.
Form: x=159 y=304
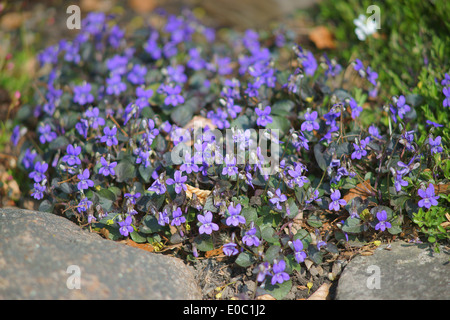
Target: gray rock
x=38 y=248
x=407 y=272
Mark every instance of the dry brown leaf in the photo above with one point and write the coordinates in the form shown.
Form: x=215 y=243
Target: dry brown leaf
x=143 y=246
x=95 y=5
x=367 y=253
x=214 y=252
x=265 y=297
x=442 y=188
x=322 y=38
x=321 y=293
x=199 y=120
x=362 y=190
x=13 y=20
x=201 y=194
x=142 y=6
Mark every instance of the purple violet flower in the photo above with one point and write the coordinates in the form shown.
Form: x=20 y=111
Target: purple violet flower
x=250 y=239
x=383 y=223
x=82 y=94
x=336 y=201
x=85 y=182
x=230 y=168
x=310 y=123
x=107 y=168
x=110 y=136
x=278 y=198
x=235 y=218
x=428 y=197
x=178 y=181
x=299 y=254
x=402 y=107
x=264 y=117
x=39 y=171
x=39 y=190
x=71 y=158
x=207 y=225
x=435 y=145
x=125 y=226
x=279 y=275
x=178 y=218
x=47 y=135
x=229 y=249
x=446 y=92
x=94 y=119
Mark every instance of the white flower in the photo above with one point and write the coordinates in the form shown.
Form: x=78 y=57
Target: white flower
x=364 y=27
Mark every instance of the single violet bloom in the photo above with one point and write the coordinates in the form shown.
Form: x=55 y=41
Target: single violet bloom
x=178 y=218
x=109 y=136
x=336 y=201
x=299 y=254
x=39 y=171
x=250 y=239
x=446 y=92
x=47 y=135
x=39 y=190
x=402 y=107
x=428 y=197
x=264 y=117
x=435 y=145
x=125 y=226
x=107 y=168
x=85 y=182
x=235 y=218
x=279 y=275
x=71 y=158
x=178 y=181
x=207 y=225
x=82 y=94
x=278 y=198
x=229 y=249
x=382 y=221
x=310 y=123
x=94 y=118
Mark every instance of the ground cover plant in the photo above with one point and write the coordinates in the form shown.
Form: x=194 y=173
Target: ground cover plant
x=245 y=143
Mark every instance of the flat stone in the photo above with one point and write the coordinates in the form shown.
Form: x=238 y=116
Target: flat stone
x=406 y=272
x=42 y=256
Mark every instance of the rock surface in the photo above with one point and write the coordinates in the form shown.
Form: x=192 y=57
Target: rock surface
x=37 y=250
x=407 y=272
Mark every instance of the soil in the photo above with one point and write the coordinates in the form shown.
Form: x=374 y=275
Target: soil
x=231 y=281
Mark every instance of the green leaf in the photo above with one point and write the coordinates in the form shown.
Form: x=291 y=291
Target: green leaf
x=272 y=253
x=352 y=225
x=125 y=170
x=292 y=208
x=280 y=123
x=314 y=221
x=150 y=224
x=138 y=237
x=59 y=143
x=204 y=242
x=108 y=194
x=282 y=107
x=209 y=205
x=268 y=234
x=249 y=214
x=279 y=290
x=146 y=173
x=245 y=259
x=46 y=206
x=395 y=229
x=304 y=236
